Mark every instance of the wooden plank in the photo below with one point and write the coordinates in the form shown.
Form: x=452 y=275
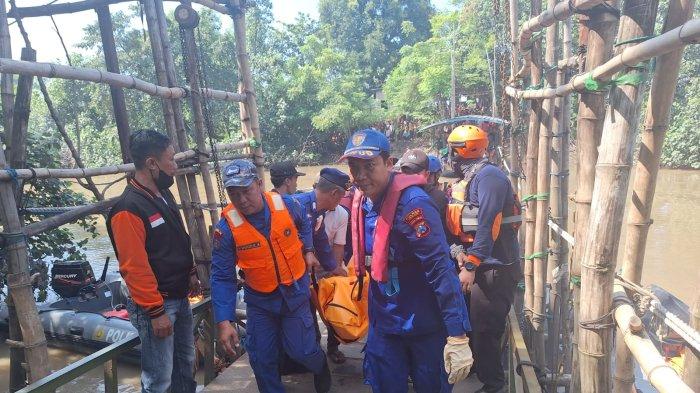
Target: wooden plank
x=111 y=377
x=517 y=342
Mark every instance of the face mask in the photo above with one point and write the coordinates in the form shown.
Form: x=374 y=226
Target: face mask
x=163 y=181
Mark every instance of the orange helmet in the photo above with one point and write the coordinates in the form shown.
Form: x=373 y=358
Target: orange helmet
x=468 y=141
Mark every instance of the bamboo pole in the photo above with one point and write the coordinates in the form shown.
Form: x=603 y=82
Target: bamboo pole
x=202 y=255
x=109 y=48
x=250 y=124
x=540 y=252
x=598 y=31
x=556 y=131
x=514 y=108
x=191 y=59
x=560 y=216
x=531 y=175
x=74 y=173
x=73 y=7
x=607 y=207
x=7 y=90
x=662 y=376
x=658 y=110
x=691 y=360
x=554 y=13
x=18 y=141
x=50 y=70
x=19 y=285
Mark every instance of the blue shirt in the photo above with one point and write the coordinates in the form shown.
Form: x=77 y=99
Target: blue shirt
x=430 y=298
x=320 y=238
x=223 y=266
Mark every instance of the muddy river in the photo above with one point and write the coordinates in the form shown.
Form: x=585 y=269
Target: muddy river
x=672 y=259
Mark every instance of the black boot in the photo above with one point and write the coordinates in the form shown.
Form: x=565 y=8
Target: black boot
x=322 y=380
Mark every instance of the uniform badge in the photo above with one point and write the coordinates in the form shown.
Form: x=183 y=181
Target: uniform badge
x=358 y=138
x=422 y=229
x=216 y=241
x=287 y=232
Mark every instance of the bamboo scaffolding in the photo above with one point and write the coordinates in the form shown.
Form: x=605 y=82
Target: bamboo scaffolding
x=691 y=360
x=74 y=173
x=531 y=175
x=191 y=60
x=607 y=206
x=109 y=48
x=597 y=34
x=50 y=70
x=250 y=124
x=662 y=376
x=69 y=8
x=658 y=111
x=69 y=216
x=16 y=149
x=688 y=33
x=540 y=252
x=200 y=234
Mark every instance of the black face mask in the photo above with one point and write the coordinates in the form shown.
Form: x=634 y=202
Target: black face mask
x=163 y=181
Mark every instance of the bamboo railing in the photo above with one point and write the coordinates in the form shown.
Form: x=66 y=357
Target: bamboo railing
x=73 y=7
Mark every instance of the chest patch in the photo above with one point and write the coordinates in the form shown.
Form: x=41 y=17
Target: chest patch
x=248 y=246
x=156 y=220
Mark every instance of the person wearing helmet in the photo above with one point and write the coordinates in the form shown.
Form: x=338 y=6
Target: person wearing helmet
x=418 y=318
x=483 y=215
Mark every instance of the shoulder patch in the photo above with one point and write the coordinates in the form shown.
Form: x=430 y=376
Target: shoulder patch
x=414 y=216
x=422 y=229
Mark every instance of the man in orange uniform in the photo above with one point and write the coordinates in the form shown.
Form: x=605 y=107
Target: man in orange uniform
x=268 y=236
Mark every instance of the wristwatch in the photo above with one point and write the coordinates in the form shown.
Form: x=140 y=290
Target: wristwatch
x=469 y=266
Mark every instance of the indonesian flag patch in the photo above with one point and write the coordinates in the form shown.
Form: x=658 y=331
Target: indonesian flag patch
x=156 y=220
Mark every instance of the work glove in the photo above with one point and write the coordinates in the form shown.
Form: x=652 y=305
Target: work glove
x=458 y=359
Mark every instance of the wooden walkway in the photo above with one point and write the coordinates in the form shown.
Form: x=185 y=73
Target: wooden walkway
x=347 y=377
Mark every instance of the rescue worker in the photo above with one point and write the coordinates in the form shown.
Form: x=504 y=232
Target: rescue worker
x=484 y=214
x=418 y=317
x=414 y=161
x=326 y=195
x=267 y=236
x=284 y=176
x=417 y=162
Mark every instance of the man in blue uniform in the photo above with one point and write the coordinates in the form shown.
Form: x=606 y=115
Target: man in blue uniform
x=328 y=190
x=418 y=317
x=268 y=236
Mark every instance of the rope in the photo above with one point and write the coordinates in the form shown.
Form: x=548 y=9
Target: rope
x=10 y=238
x=606 y=321
x=575 y=280
x=536 y=197
x=13 y=175
x=635 y=40
x=629 y=79
x=538 y=254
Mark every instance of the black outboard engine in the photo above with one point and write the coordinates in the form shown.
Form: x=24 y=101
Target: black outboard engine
x=72 y=278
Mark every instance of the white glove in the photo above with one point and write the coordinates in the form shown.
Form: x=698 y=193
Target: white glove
x=458 y=359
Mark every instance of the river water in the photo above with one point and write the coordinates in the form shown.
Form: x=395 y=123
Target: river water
x=672 y=258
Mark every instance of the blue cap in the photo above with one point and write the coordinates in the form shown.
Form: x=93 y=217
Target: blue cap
x=337 y=177
x=434 y=164
x=240 y=173
x=366 y=144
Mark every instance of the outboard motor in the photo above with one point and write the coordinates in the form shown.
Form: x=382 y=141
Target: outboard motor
x=72 y=278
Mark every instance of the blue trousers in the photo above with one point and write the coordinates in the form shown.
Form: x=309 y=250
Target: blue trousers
x=167 y=364
x=391 y=359
x=291 y=330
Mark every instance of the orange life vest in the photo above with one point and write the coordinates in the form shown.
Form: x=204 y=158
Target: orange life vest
x=267 y=262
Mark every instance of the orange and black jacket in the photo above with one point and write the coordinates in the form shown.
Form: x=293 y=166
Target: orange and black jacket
x=152 y=246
